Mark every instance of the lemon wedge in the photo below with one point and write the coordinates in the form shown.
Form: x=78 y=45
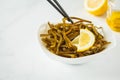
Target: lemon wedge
x=84 y=41
x=96 y=7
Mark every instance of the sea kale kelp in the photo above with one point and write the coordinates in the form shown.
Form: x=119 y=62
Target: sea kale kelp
x=59 y=36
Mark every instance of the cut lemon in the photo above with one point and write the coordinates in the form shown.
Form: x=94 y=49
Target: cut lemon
x=84 y=41
x=96 y=7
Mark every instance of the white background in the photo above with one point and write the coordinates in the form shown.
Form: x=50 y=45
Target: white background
x=21 y=57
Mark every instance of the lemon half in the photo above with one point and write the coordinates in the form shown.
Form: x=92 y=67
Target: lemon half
x=96 y=7
x=84 y=41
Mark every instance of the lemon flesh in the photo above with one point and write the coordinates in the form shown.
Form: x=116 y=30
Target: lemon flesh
x=96 y=7
x=84 y=41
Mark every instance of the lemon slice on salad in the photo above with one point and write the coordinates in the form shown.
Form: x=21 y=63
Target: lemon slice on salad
x=84 y=41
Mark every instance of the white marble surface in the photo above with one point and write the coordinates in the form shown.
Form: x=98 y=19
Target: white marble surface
x=21 y=57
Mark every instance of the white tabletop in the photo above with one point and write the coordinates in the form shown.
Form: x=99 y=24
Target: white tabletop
x=21 y=57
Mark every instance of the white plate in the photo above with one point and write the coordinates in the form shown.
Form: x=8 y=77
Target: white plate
x=108 y=36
